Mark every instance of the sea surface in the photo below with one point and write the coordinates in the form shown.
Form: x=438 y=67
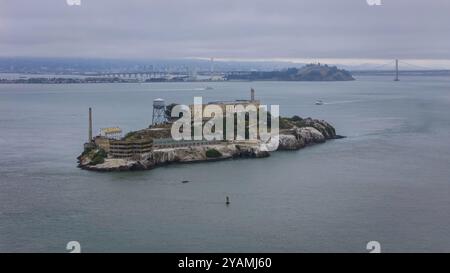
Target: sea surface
x=388 y=181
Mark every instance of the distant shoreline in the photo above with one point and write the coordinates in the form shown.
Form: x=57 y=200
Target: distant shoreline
x=98 y=80
x=310 y=72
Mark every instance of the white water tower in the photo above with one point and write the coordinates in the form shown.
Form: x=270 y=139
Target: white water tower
x=159 y=107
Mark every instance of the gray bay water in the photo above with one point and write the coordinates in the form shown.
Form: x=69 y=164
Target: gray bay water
x=388 y=181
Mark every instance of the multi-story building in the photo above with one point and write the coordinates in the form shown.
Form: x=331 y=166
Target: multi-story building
x=130 y=149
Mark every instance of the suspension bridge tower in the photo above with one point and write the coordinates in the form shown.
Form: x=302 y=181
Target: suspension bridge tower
x=396 y=71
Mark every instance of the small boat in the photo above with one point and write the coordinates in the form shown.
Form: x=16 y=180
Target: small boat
x=319 y=102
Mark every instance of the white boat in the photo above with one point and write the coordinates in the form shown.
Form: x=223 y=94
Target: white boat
x=319 y=102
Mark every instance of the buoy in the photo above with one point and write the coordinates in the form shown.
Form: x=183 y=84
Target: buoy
x=228 y=200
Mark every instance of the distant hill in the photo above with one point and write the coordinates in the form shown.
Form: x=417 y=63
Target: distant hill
x=311 y=72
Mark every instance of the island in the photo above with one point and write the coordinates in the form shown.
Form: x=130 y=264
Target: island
x=154 y=146
x=310 y=72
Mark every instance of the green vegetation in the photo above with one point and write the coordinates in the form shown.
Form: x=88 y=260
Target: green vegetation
x=288 y=123
x=311 y=72
x=213 y=153
x=98 y=157
x=130 y=135
x=87 y=151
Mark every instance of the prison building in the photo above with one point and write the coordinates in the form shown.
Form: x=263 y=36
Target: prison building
x=163 y=143
x=129 y=149
x=102 y=142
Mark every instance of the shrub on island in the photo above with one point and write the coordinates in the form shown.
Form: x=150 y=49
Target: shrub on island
x=98 y=157
x=213 y=153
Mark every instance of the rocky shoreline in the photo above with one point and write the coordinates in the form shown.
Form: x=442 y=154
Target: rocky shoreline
x=310 y=132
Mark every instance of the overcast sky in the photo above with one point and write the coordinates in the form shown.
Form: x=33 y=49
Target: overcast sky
x=229 y=29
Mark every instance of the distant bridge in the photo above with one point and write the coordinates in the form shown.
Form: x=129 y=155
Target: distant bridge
x=142 y=75
x=137 y=75
x=408 y=70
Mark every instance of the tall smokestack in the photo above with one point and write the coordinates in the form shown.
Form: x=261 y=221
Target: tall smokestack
x=90 y=124
x=252 y=94
x=396 y=70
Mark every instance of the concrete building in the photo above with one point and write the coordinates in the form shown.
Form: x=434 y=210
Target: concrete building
x=163 y=143
x=133 y=149
x=102 y=143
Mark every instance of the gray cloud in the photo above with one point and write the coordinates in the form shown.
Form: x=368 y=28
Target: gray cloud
x=410 y=29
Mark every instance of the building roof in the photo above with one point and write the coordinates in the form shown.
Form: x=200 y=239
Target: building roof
x=112 y=130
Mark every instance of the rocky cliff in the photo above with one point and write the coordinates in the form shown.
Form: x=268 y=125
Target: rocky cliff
x=312 y=132
x=161 y=157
